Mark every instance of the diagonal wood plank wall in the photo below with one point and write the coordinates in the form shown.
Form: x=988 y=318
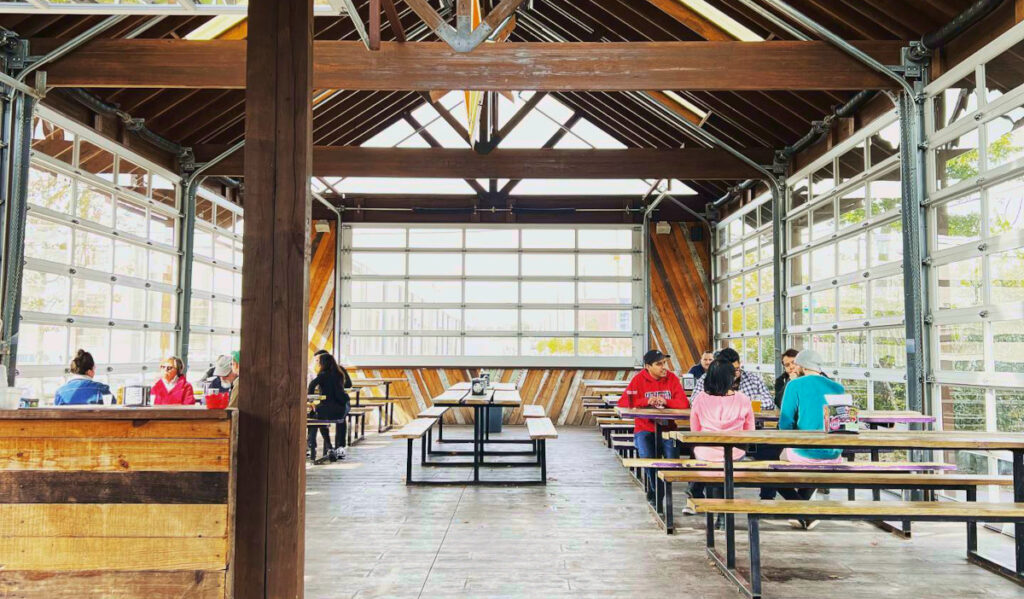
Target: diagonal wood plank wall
x=679 y=325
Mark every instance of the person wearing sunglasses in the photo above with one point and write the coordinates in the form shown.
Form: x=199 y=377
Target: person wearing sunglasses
x=172 y=388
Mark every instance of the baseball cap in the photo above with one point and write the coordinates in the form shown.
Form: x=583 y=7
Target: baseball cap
x=222 y=367
x=810 y=359
x=236 y=356
x=653 y=356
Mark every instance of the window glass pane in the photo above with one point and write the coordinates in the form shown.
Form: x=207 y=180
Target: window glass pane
x=547 y=293
x=429 y=264
x=890 y=396
x=434 y=292
x=90 y=298
x=548 y=346
x=961 y=347
x=605 y=293
x=223 y=281
x=165 y=191
x=378 y=263
x=163 y=267
x=47 y=240
x=491 y=320
x=95 y=160
x=768 y=352
x=853 y=302
x=800 y=269
x=93 y=340
x=767 y=278
x=45 y=292
x=1005 y=138
x=549 y=238
x=825 y=344
x=959 y=284
x=548 y=265
x=1009 y=411
x=955 y=102
x=95 y=205
x=222 y=316
x=599 y=239
x=606 y=320
x=1006 y=207
x=767 y=316
x=198 y=348
x=750 y=318
x=799 y=232
x=1007 y=272
x=224 y=249
x=859 y=390
x=889 y=348
x=606 y=347
x=492 y=265
x=957 y=160
x=133 y=177
x=163 y=307
x=491 y=346
x=799 y=310
x=435 y=238
x=435 y=346
x=823 y=306
x=131 y=218
x=823 y=222
x=161 y=228
x=129 y=303
x=853 y=350
x=958 y=222
x=49 y=190
x=851 y=163
x=886 y=193
x=42 y=345
x=225 y=218
x=606 y=265
x=887 y=243
x=823 y=263
x=823 y=180
x=492 y=292
x=492 y=238
x=1008 y=345
x=129 y=259
x=798 y=194
x=963 y=408
x=202 y=276
x=52 y=140
x=126 y=346
x=204 y=210
x=202 y=243
x=377 y=319
x=887 y=297
x=548 y=320
x=378 y=238
x=853 y=254
x=201 y=312
x=852 y=208
x=736 y=320
x=750 y=252
x=159 y=344
x=381 y=291
x=435 y=319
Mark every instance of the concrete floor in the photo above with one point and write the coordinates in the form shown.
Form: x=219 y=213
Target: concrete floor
x=589 y=533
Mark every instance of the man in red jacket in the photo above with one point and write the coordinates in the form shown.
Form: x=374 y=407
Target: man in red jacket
x=654 y=387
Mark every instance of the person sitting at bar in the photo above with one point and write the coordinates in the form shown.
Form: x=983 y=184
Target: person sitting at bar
x=789 y=372
x=331 y=381
x=750 y=384
x=172 y=388
x=654 y=387
x=719 y=408
x=81 y=388
x=803 y=408
x=698 y=370
x=223 y=376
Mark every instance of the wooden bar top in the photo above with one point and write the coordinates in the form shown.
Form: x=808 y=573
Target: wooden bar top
x=880 y=439
x=894 y=417
x=116 y=413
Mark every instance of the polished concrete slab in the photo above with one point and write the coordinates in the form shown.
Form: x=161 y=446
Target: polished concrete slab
x=588 y=533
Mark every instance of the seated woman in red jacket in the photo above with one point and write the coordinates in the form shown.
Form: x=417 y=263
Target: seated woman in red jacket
x=172 y=388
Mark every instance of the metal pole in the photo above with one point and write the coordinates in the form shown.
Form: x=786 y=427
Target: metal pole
x=645 y=232
x=188 y=237
x=16 y=215
x=780 y=194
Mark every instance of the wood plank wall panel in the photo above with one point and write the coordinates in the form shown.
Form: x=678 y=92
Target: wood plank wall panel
x=679 y=325
x=321 y=290
x=115 y=508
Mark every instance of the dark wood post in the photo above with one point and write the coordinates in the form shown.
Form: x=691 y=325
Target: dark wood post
x=278 y=154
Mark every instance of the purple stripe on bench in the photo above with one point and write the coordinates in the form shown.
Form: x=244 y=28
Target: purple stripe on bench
x=860 y=466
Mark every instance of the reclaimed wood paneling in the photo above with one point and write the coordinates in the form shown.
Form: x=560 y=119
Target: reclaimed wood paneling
x=321 y=290
x=680 y=319
x=93 y=504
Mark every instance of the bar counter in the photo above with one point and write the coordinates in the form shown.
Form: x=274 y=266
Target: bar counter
x=117 y=502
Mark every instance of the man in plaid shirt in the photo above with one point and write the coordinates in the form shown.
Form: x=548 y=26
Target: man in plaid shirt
x=750 y=384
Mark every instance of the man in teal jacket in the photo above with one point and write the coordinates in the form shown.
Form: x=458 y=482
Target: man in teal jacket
x=803 y=408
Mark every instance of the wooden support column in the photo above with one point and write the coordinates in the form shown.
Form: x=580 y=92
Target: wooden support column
x=272 y=436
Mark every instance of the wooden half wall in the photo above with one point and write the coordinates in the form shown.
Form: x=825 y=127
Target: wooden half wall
x=679 y=325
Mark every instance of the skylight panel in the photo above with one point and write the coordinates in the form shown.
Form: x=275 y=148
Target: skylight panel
x=391 y=136
x=408 y=185
x=215 y=27
x=593 y=187
x=722 y=20
x=686 y=104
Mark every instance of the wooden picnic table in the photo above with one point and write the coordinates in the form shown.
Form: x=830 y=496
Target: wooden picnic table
x=874 y=418
x=887 y=439
x=660 y=416
x=497 y=396
x=388 y=410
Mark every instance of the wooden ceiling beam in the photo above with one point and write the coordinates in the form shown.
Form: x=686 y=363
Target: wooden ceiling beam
x=633 y=163
x=491 y=67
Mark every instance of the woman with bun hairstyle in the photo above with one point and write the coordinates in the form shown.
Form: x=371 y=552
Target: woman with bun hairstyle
x=81 y=388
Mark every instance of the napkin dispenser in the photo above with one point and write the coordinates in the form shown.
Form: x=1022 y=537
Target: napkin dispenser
x=478 y=386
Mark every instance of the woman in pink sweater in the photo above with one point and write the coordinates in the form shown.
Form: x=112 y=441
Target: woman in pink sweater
x=719 y=408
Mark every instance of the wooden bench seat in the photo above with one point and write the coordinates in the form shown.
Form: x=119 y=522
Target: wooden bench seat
x=937 y=511
x=619 y=421
x=533 y=411
x=821 y=480
x=602 y=413
x=541 y=428
x=686 y=463
x=434 y=412
x=415 y=429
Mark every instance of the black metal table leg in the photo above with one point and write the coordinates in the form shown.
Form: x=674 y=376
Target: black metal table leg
x=657 y=439
x=1018 y=497
x=408 y=463
x=543 y=449
x=972 y=527
x=755 y=556
x=730 y=521
x=478 y=442
x=668 y=508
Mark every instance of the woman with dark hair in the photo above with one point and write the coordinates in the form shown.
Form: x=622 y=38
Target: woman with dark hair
x=719 y=408
x=81 y=388
x=331 y=381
